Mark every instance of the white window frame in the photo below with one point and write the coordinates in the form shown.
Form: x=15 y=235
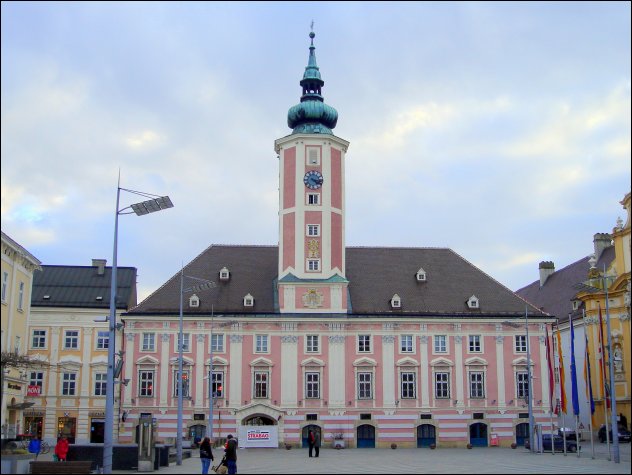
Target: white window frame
x=407 y=346
x=262 y=343
x=313 y=230
x=41 y=339
x=312 y=343
x=36 y=378
x=186 y=382
x=520 y=343
x=522 y=384
x=100 y=384
x=364 y=344
x=186 y=342
x=217 y=343
x=308 y=158
x=73 y=338
x=69 y=384
x=365 y=385
x=261 y=383
x=408 y=384
x=442 y=384
x=102 y=340
x=312 y=199
x=146 y=379
x=149 y=342
x=217 y=383
x=475 y=344
x=312 y=385
x=440 y=345
x=5 y=285
x=312 y=265
x=477 y=384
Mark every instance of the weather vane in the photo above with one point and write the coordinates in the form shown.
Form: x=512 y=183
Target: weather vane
x=312 y=25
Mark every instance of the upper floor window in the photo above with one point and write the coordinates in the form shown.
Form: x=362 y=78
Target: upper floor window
x=477 y=384
x=103 y=337
x=36 y=378
x=186 y=341
x=100 y=384
x=21 y=296
x=185 y=383
x=406 y=344
x=261 y=384
x=69 y=384
x=313 y=156
x=364 y=343
x=441 y=344
x=39 y=339
x=313 y=229
x=71 y=339
x=312 y=344
x=313 y=265
x=261 y=343
x=5 y=284
x=408 y=385
x=224 y=274
x=312 y=385
x=313 y=198
x=149 y=342
x=217 y=387
x=217 y=343
x=442 y=385
x=522 y=384
x=475 y=343
x=521 y=343
x=365 y=385
x=146 y=383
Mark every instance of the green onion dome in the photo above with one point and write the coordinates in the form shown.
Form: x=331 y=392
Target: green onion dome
x=312 y=115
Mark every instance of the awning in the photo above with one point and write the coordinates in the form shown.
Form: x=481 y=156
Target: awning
x=21 y=406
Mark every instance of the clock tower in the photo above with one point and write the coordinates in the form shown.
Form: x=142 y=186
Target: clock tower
x=311 y=275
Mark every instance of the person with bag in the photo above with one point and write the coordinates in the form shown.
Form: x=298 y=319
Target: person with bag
x=61 y=449
x=311 y=441
x=206 y=454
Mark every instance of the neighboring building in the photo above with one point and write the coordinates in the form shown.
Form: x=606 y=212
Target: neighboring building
x=18 y=267
x=68 y=330
x=369 y=346
x=577 y=291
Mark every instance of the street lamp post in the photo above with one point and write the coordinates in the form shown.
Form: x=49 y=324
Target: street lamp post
x=155 y=203
x=202 y=284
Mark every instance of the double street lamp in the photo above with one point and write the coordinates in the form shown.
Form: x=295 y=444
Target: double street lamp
x=151 y=205
x=202 y=284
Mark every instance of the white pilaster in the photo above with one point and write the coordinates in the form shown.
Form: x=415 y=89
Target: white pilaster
x=162 y=383
x=425 y=368
x=234 y=386
x=458 y=363
x=389 y=383
x=289 y=370
x=337 y=371
x=500 y=369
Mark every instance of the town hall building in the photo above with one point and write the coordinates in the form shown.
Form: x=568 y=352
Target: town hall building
x=368 y=346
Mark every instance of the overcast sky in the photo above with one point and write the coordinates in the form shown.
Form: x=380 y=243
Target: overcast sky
x=499 y=130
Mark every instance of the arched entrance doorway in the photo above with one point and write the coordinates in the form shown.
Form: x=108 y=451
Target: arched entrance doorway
x=259 y=420
x=522 y=433
x=259 y=431
x=478 y=435
x=426 y=435
x=366 y=436
x=305 y=432
x=197 y=433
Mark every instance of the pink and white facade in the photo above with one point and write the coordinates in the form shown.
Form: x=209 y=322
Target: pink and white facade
x=369 y=346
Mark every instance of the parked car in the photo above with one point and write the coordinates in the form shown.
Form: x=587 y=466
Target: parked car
x=570 y=433
x=558 y=442
x=624 y=434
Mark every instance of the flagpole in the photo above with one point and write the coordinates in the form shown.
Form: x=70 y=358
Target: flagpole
x=613 y=391
x=602 y=377
x=574 y=392
x=588 y=379
x=562 y=384
x=551 y=382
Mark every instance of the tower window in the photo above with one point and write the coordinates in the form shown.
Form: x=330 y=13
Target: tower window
x=313 y=198
x=313 y=265
x=313 y=229
x=313 y=157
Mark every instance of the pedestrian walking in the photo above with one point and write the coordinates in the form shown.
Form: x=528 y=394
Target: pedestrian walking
x=231 y=454
x=35 y=446
x=206 y=454
x=311 y=441
x=61 y=449
x=317 y=442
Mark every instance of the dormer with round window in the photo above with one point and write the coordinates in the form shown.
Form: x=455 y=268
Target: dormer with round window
x=249 y=301
x=473 y=302
x=421 y=275
x=194 y=301
x=224 y=274
x=396 y=301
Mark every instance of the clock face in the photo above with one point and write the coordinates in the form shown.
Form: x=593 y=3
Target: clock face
x=313 y=179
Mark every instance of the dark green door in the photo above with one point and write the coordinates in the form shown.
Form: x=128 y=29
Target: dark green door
x=522 y=433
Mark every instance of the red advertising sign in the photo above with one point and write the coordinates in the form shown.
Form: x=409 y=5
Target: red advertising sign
x=33 y=390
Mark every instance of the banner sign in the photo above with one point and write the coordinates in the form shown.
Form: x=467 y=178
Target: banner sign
x=258 y=436
x=33 y=390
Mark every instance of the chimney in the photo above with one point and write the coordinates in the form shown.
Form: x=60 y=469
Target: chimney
x=100 y=265
x=601 y=242
x=546 y=269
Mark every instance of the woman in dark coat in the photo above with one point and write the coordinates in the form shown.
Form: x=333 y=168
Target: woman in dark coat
x=206 y=454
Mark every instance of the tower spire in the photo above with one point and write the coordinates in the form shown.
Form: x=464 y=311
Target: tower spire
x=312 y=115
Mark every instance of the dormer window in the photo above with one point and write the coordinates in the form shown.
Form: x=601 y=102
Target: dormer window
x=421 y=275
x=576 y=304
x=224 y=274
x=194 y=301
x=249 y=301
x=472 y=302
x=396 y=302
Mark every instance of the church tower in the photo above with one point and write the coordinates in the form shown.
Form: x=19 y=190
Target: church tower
x=311 y=275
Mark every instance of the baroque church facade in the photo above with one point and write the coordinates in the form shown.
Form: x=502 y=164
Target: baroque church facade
x=369 y=346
